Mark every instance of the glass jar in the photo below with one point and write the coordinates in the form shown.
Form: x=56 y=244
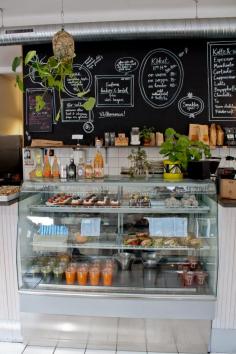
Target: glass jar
x=134 y=136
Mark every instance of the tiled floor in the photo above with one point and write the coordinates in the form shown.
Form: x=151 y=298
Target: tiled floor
x=18 y=348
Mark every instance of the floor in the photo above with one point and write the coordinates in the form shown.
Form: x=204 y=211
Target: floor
x=19 y=348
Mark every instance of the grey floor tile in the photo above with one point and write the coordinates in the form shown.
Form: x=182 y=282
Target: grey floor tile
x=11 y=348
x=38 y=350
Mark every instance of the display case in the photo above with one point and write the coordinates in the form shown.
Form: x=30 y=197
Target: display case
x=118 y=237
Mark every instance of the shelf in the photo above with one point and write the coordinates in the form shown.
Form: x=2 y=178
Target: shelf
x=119 y=210
x=138 y=280
x=112 y=245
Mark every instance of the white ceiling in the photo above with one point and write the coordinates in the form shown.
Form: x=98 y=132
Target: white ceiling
x=29 y=12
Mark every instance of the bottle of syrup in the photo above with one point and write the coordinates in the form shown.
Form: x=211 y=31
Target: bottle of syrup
x=98 y=163
x=46 y=166
x=71 y=171
x=55 y=168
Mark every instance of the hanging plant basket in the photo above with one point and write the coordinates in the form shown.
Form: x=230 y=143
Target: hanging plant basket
x=63 y=46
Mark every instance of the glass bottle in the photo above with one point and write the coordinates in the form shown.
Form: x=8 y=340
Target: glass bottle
x=71 y=170
x=39 y=167
x=55 y=168
x=46 y=167
x=81 y=169
x=88 y=172
x=98 y=164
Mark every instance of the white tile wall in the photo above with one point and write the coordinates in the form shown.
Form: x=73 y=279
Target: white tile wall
x=115 y=158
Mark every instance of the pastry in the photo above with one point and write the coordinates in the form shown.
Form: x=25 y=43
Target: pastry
x=114 y=203
x=80 y=239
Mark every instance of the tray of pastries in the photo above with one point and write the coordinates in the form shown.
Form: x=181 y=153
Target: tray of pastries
x=92 y=200
x=8 y=193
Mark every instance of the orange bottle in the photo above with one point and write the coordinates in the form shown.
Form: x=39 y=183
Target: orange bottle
x=46 y=167
x=98 y=164
x=55 y=168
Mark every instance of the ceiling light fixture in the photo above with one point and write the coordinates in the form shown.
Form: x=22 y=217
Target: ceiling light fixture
x=62 y=42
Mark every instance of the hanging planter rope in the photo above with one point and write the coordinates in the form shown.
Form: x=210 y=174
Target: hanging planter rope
x=63 y=46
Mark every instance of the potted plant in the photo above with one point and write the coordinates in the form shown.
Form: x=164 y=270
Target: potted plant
x=182 y=153
x=146 y=135
x=139 y=163
x=53 y=71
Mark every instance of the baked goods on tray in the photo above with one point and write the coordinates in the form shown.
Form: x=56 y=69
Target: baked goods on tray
x=87 y=201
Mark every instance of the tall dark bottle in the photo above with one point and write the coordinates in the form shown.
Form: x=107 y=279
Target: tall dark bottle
x=71 y=171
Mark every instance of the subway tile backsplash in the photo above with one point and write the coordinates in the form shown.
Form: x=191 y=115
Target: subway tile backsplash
x=116 y=158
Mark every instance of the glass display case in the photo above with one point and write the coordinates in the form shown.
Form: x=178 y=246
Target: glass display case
x=118 y=236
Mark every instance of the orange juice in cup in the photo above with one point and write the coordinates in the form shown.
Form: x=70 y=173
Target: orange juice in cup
x=70 y=275
x=107 y=276
x=94 y=275
x=82 y=275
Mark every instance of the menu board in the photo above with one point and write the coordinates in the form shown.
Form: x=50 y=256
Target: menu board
x=161 y=78
x=222 y=80
x=156 y=83
x=39 y=121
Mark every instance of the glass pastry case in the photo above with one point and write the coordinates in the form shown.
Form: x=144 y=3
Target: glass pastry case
x=118 y=237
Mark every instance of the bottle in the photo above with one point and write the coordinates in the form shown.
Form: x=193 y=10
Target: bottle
x=46 y=167
x=71 y=172
x=63 y=172
x=38 y=168
x=81 y=169
x=55 y=168
x=88 y=172
x=98 y=164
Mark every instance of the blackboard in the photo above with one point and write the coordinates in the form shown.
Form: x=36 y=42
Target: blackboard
x=39 y=122
x=222 y=80
x=157 y=83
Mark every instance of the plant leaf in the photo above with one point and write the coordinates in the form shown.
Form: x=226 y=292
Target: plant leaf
x=82 y=94
x=89 y=104
x=58 y=116
x=16 y=62
x=29 y=56
x=19 y=82
x=40 y=103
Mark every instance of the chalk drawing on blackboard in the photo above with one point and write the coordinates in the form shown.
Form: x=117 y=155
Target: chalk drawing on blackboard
x=91 y=62
x=181 y=54
x=40 y=121
x=221 y=66
x=72 y=111
x=114 y=91
x=79 y=82
x=191 y=105
x=160 y=78
x=126 y=65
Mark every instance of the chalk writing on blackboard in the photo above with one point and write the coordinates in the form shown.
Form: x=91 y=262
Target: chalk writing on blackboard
x=160 y=78
x=91 y=62
x=126 y=65
x=108 y=114
x=79 y=82
x=191 y=105
x=72 y=110
x=222 y=80
x=114 y=91
x=40 y=121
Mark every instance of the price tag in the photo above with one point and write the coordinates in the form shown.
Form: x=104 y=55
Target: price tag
x=91 y=227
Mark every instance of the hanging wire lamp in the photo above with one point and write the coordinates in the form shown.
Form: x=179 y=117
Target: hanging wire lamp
x=63 y=43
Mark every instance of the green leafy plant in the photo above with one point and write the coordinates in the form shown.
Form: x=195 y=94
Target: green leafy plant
x=52 y=74
x=146 y=132
x=178 y=147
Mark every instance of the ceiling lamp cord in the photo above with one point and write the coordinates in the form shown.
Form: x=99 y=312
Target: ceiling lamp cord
x=196 y=8
x=2 y=23
x=62 y=15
